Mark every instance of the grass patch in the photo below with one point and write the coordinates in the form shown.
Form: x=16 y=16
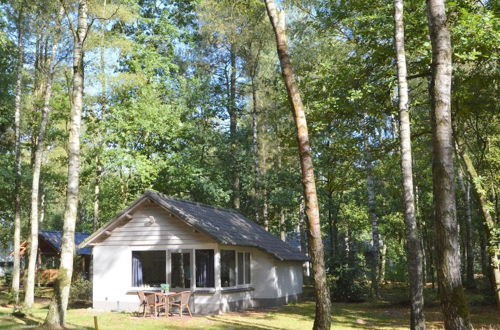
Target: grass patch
x=391 y=312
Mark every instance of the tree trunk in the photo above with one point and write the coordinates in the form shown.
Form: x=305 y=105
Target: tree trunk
x=97 y=192
x=414 y=249
x=255 y=149
x=59 y=304
x=323 y=305
x=98 y=166
x=372 y=212
x=282 y=225
x=37 y=166
x=469 y=254
x=372 y=215
x=453 y=304
x=233 y=120
x=265 y=208
x=16 y=271
x=42 y=206
x=491 y=227
x=330 y=227
x=381 y=270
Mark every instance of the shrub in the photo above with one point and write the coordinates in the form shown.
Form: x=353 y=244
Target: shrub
x=81 y=289
x=346 y=284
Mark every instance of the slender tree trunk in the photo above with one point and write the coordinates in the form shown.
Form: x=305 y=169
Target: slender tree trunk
x=484 y=254
x=98 y=166
x=97 y=192
x=255 y=149
x=282 y=225
x=59 y=304
x=16 y=271
x=330 y=227
x=37 y=166
x=372 y=215
x=414 y=249
x=372 y=212
x=42 y=206
x=233 y=120
x=265 y=208
x=323 y=305
x=491 y=227
x=469 y=254
x=282 y=211
x=381 y=270
x=453 y=304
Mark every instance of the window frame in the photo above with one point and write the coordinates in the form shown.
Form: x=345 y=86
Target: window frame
x=237 y=251
x=169 y=268
x=132 y=250
x=194 y=286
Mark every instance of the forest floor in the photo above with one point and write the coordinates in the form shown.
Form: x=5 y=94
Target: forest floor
x=390 y=312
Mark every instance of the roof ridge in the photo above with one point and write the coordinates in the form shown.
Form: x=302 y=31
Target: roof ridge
x=191 y=202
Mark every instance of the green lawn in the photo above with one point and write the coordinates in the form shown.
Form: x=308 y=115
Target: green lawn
x=391 y=313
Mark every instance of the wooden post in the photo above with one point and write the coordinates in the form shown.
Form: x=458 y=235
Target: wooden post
x=96 y=325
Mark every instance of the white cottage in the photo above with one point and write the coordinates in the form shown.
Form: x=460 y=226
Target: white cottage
x=227 y=261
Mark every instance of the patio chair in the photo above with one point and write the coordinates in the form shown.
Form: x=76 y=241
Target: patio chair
x=148 y=302
x=143 y=302
x=182 y=303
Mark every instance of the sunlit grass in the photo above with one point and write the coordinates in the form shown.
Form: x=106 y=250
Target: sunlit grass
x=391 y=313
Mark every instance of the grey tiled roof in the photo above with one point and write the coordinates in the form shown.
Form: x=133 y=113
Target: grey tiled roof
x=227 y=226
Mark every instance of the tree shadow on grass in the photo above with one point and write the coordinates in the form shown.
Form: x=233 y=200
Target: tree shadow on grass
x=240 y=324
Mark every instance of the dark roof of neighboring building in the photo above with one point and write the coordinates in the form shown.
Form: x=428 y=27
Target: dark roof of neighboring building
x=225 y=226
x=54 y=238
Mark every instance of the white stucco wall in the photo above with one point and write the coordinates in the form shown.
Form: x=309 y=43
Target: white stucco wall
x=274 y=278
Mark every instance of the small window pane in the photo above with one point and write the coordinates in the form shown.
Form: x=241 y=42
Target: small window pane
x=204 y=268
x=241 y=271
x=148 y=268
x=247 y=268
x=227 y=270
x=180 y=265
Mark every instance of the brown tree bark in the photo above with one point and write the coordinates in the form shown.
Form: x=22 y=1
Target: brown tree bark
x=323 y=305
x=57 y=309
x=453 y=304
x=16 y=271
x=414 y=248
x=468 y=246
x=233 y=122
x=255 y=147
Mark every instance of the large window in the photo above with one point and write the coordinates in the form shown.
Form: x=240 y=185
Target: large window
x=227 y=268
x=148 y=268
x=180 y=270
x=243 y=268
x=204 y=268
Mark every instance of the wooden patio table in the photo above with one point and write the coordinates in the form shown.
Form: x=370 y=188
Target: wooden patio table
x=164 y=298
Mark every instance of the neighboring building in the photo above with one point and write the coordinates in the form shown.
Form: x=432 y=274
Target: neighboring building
x=6 y=262
x=226 y=260
x=49 y=254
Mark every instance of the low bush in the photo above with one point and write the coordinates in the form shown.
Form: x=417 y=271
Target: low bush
x=81 y=289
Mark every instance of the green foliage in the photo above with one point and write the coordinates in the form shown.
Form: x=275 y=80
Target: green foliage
x=346 y=283
x=156 y=116
x=81 y=289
